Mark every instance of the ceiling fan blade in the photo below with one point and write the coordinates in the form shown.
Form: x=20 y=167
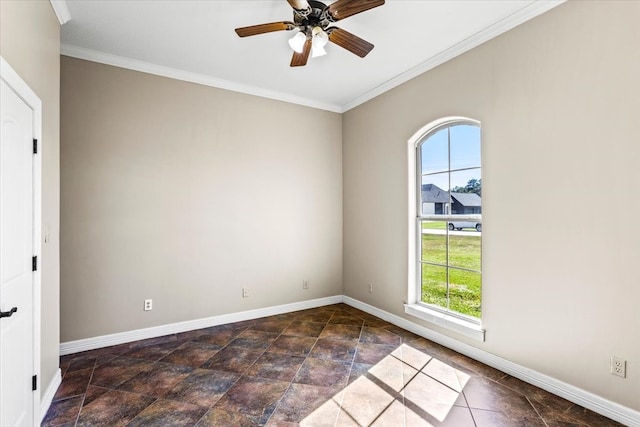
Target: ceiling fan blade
x=300 y=59
x=265 y=28
x=299 y=4
x=345 y=8
x=351 y=42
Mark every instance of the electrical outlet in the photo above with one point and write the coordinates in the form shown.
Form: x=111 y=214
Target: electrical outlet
x=148 y=305
x=245 y=293
x=370 y=287
x=305 y=284
x=618 y=366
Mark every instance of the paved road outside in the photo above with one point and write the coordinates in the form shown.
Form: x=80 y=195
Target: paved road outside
x=465 y=232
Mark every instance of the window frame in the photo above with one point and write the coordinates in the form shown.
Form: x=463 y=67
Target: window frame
x=458 y=322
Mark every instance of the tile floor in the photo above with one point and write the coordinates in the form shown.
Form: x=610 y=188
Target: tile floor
x=329 y=366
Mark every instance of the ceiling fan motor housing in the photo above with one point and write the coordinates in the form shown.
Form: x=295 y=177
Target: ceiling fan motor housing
x=315 y=16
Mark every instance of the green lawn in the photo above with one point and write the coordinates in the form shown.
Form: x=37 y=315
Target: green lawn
x=434 y=225
x=464 y=286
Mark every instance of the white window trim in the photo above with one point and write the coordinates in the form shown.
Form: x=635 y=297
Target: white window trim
x=414 y=307
x=453 y=323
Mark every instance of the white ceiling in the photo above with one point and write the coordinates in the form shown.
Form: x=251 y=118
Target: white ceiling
x=195 y=41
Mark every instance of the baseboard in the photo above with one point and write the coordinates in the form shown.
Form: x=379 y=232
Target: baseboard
x=615 y=411
x=49 y=393
x=71 y=347
x=573 y=394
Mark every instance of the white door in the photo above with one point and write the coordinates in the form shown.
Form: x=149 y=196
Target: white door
x=16 y=252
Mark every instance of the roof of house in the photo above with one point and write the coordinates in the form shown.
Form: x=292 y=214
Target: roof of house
x=431 y=193
x=467 y=199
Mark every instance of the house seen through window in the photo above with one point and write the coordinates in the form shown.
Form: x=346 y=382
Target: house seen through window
x=449 y=219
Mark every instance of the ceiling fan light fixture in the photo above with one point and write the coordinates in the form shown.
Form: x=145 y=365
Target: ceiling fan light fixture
x=297 y=42
x=320 y=37
x=317 y=51
x=319 y=40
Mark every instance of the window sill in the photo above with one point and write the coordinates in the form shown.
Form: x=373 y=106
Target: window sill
x=455 y=324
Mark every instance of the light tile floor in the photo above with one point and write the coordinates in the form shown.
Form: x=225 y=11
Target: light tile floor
x=329 y=366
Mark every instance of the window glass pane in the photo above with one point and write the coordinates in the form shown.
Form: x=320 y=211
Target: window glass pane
x=450 y=253
x=465 y=249
x=434 y=242
x=434 y=285
x=465 y=146
x=435 y=152
x=466 y=192
x=465 y=292
x=435 y=194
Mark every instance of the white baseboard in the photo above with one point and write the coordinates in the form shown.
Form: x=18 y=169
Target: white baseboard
x=573 y=394
x=49 y=393
x=71 y=347
x=615 y=411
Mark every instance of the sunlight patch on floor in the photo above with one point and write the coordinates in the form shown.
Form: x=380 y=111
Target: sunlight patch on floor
x=408 y=387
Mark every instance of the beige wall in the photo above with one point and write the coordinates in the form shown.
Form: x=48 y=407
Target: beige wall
x=558 y=98
x=30 y=43
x=186 y=194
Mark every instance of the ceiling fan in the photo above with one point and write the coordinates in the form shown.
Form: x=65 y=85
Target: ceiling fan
x=312 y=19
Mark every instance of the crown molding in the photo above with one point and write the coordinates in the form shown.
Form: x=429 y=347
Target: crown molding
x=174 y=73
x=506 y=24
x=525 y=14
x=62 y=10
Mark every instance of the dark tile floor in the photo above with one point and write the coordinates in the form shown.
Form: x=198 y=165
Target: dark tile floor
x=329 y=366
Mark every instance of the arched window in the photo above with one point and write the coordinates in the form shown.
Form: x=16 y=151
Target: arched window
x=447 y=220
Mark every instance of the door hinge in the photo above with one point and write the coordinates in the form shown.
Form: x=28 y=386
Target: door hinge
x=34 y=382
x=35 y=146
x=34 y=263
